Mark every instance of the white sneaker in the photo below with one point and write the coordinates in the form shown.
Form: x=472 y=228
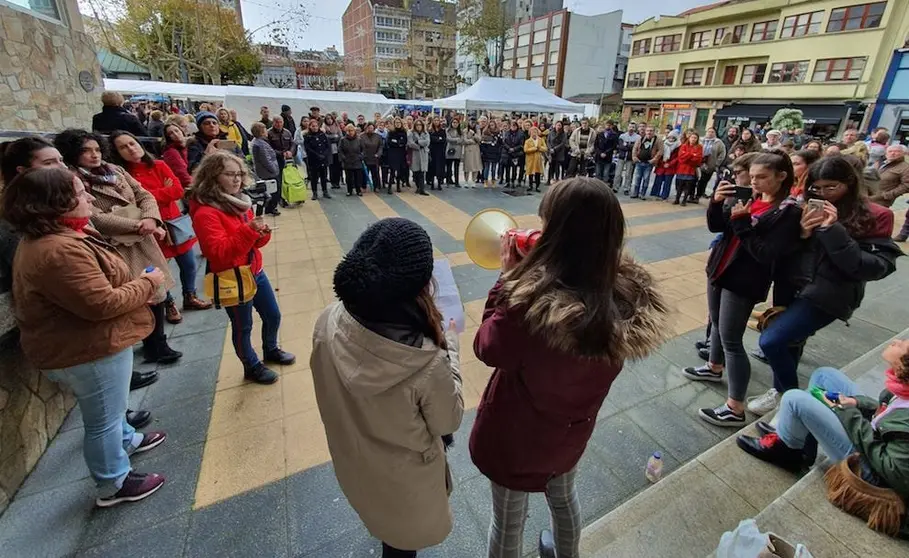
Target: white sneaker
x=763 y=404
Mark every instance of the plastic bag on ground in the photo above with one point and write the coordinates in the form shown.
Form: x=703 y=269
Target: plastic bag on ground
x=747 y=541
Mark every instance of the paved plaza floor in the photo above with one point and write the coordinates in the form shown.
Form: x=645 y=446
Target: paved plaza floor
x=248 y=468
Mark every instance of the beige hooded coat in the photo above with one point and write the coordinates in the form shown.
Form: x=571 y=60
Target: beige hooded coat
x=385 y=406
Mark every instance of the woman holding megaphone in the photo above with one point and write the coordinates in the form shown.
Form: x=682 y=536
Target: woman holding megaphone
x=557 y=327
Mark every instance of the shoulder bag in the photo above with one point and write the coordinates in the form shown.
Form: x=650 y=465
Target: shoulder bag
x=231 y=287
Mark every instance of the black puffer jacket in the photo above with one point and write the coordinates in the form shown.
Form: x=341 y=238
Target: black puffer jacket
x=833 y=267
x=760 y=245
x=512 y=146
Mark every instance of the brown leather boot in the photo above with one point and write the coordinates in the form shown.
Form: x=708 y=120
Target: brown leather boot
x=171 y=313
x=193 y=302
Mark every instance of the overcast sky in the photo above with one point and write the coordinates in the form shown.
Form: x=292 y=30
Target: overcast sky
x=324 y=29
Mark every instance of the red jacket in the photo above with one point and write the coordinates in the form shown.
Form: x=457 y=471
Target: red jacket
x=225 y=239
x=153 y=180
x=175 y=157
x=668 y=167
x=540 y=406
x=690 y=158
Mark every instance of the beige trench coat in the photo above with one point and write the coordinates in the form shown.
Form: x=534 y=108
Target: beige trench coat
x=127 y=191
x=385 y=407
x=472 y=163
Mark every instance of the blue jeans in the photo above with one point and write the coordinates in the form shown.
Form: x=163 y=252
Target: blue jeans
x=241 y=323
x=662 y=185
x=187 y=264
x=604 y=170
x=801 y=414
x=800 y=321
x=102 y=389
x=489 y=170
x=641 y=178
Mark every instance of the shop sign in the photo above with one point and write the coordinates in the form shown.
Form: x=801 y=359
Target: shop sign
x=676 y=106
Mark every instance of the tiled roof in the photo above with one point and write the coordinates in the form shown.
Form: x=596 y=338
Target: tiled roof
x=116 y=64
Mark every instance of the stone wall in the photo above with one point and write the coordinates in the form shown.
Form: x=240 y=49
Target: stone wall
x=32 y=408
x=40 y=62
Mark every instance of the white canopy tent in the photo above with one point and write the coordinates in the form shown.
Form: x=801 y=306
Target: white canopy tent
x=193 y=91
x=508 y=95
x=248 y=100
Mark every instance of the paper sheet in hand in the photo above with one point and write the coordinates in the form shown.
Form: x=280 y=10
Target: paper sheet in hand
x=448 y=299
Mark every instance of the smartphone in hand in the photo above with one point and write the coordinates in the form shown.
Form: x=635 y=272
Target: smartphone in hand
x=815 y=205
x=743 y=193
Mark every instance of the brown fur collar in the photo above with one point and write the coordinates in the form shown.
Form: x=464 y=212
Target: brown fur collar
x=554 y=315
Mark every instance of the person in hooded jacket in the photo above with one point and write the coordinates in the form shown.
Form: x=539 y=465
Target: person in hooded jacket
x=388 y=387
x=560 y=309
x=845 y=245
x=397 y=154
x=318 y=158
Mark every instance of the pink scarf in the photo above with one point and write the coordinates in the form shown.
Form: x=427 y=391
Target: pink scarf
x=896 y=386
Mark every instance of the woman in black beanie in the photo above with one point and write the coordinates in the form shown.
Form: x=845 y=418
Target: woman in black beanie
x=388 y=387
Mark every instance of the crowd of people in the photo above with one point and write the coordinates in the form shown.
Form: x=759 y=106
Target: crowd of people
x=91 y=219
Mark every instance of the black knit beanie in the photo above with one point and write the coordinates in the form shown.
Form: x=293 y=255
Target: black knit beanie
x=390 y=263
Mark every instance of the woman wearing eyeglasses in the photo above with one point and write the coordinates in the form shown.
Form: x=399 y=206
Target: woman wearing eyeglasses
x=846 y=243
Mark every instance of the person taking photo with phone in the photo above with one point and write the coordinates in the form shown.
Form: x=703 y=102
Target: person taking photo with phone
x=845 y=243
x=758 y=226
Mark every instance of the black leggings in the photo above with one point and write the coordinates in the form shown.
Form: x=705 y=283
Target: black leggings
x=354 y=180
x=534 y=180
x=556 y=170
x=376 y=178
x=334 y=170
x=392 y=552
x=684 y=189
x=511 y=173
x=452 y=165
x=317 y=173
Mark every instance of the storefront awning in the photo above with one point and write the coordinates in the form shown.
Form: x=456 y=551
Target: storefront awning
x=814 y=114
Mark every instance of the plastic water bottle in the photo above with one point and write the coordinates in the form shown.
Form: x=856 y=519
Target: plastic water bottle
x=654 y=469
x=160 y=292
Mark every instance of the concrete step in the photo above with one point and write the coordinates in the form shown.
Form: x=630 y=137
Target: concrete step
x=686 y=513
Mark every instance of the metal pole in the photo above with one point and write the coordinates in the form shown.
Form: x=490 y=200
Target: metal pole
x=602 y=94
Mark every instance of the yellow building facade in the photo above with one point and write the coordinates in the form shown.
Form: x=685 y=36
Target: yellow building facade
x=739 y=61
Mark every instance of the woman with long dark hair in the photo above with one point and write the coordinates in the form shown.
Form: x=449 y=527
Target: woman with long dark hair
x=128 y=217
x=558 y=149
x=334 y=133
x=573 y=305
x=388 y=387
x=756 y=233
x=397 y=154
x=512 y=144
x=454 y=152
x=490 y=152
x=846 y=243
x=158 y=180
x=174 y=153
x=438 y=144
x=748 y=140
x=801 y=161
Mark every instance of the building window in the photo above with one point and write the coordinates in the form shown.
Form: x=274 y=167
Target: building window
x=692 y=76
x=509 y=43
x=523 y=40
x=507 y=64
x=738 y=34
x=839 y=69
x=553 y=57
x=555 y=32
x=729 y=75
x=635 y=80
x=46 y=8
x=699 y=40
x=862 y=16
x=660 y=78
x=667 y=43
x=539 y=37
x=538 y=59
x=709 y=80
x=641 y=46
x=718 y=36
x=753 y=73
x=802 y=24
x=764 y=31
x=522 y=62
x=788 y=72
x=550 y=82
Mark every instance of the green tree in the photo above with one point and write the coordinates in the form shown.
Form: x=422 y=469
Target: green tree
x=200 y=39
x=788 y=119
x=482 y=28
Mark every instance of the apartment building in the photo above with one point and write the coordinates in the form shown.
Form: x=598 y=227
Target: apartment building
x=738 y=61
x=385 y=39
x=568 y=54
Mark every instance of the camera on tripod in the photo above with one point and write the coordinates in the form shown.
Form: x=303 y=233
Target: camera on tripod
x=259 y=193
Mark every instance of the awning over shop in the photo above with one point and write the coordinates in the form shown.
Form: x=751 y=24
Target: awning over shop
x=814 y=114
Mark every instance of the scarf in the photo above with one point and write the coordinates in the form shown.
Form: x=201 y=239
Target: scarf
x=896 y=386
x=75 y=223
x=669 y=147
x=232 y=205
x=104 y=175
